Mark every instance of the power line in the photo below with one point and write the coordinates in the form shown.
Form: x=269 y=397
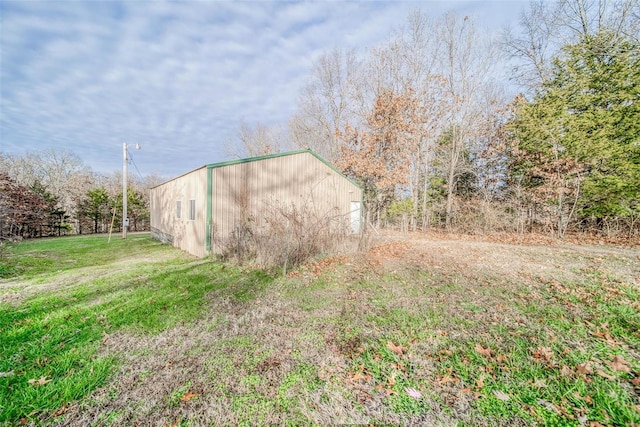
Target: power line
x=136 y=166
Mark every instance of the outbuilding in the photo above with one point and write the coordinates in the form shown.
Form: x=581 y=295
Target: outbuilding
x=202 y=208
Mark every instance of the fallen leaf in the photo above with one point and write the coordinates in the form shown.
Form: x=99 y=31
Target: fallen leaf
x=595 y=424
x=448 y=379
x=359 y=376
x=6 y=374
x=500 y=395
x=636 y=381
x=501 y=359
x=486 y=352
x=401 y=367
x=62 y=410
x=391 y=380
x=187 y=397
x=607 y=337
x=488 y=369
x=480 y=382
x=566 y=371
x=539 y=383
x=40 y=381
x=387 y=391
x=446 y=352
x=584 y=368
x=619 y=364
x=397 y=349
x=465 y=390
x=586 y=399
x=543 y=353
x=605 y=375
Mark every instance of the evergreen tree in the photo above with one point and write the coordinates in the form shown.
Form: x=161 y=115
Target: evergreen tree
x=96 y=206
x=578 y=140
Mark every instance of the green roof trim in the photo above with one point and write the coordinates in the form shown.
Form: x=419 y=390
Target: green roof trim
x=255 y=159
x=288 y=153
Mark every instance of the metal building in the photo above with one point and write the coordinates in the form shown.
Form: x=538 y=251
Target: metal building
x=201 y=208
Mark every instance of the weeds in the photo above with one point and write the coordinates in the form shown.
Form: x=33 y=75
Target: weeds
x=287 y=236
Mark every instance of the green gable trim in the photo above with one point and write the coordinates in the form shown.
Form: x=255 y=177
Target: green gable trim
x=333 y=168
x=273 y=156
x=208 y=219
x=255 y=159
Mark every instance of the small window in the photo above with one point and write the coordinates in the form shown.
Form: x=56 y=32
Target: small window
x=179 y=209
x=192 y=210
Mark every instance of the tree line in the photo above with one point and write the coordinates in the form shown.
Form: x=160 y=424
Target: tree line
x=429 y=126
x=52 y=193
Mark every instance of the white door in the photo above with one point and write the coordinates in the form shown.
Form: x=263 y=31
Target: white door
x=356 y=217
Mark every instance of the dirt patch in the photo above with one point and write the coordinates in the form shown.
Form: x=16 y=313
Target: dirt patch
x=560 y=261
x=506 y=257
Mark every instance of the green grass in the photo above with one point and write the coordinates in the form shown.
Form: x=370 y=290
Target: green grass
x=52 y=255
x=55 y=336
x=358 y=344
x=568 y=319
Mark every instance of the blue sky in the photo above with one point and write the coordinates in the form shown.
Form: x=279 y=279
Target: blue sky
x=176 y=77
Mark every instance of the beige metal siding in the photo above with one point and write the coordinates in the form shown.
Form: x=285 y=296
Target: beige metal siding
x=247 y=190
x=182 y=232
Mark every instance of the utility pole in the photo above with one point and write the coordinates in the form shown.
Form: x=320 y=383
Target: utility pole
x=125 y=220
x=125 y=161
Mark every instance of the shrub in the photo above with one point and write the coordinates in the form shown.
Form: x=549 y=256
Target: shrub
x=285 y=235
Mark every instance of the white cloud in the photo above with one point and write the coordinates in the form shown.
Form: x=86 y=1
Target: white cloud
x=176 y=77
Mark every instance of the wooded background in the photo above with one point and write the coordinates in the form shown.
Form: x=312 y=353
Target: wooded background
x=429 y=127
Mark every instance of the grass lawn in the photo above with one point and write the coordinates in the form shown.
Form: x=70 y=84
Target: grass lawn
x=424 y=331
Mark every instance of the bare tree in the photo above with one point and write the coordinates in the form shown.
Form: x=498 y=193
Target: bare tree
x=327 y=103
x=581 y=17
x=547 y=26
x=537 y=43
x=632 y=13
x=65 y=176
x=468 y=59
x=408 y=63
x=260 y=139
